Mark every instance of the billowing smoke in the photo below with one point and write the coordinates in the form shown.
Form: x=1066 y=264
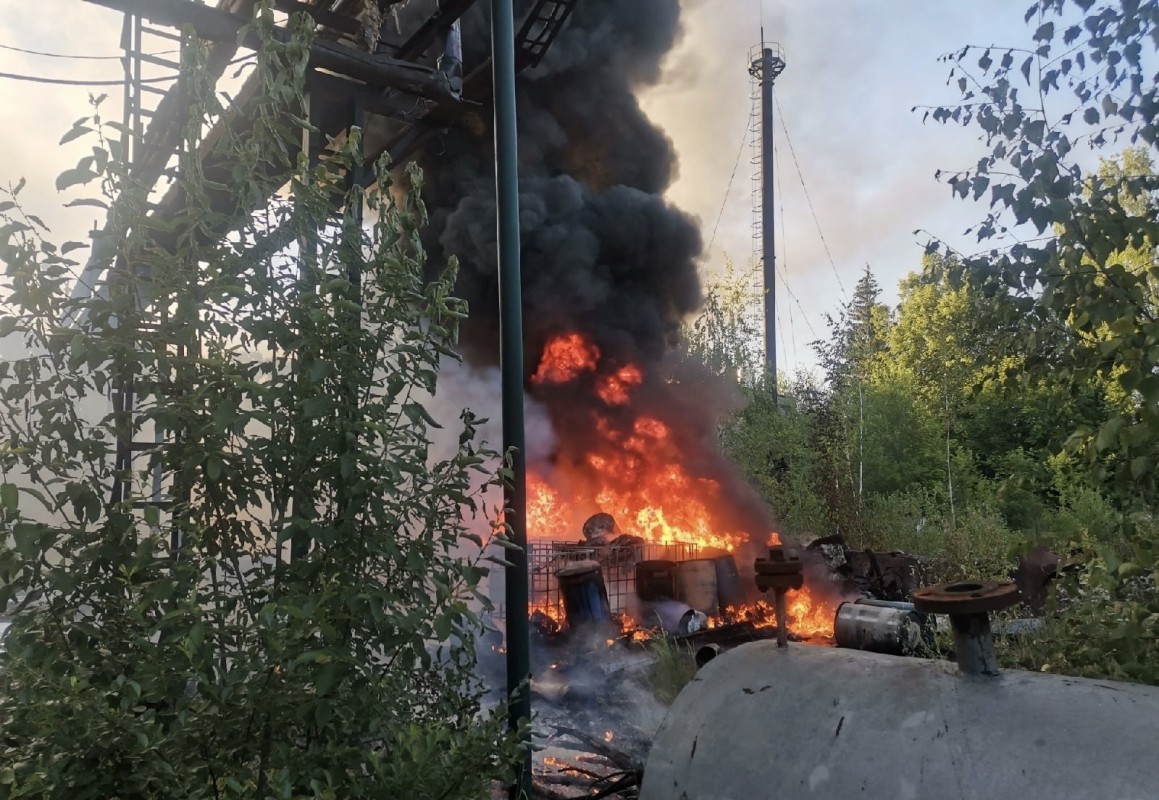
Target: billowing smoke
x=603 y=254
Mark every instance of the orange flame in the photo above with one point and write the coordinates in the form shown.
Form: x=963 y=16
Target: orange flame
x=564 y=358
x=615 y=389
x=633 y=469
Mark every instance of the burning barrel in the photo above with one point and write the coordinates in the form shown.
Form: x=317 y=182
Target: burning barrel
x=656 y=580
x=730 y=589
x=696 y=585
x=585 y=597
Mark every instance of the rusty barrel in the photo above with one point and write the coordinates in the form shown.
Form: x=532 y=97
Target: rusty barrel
x=656 y=580
x=585 y=597
x=730 y=589
x=696 y=584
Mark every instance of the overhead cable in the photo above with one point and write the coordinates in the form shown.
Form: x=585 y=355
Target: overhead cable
x=809 y=200
x=72 y=56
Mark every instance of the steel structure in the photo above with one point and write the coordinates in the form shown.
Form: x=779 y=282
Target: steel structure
x=764 y=70
x=396 y=92
x=397 y=85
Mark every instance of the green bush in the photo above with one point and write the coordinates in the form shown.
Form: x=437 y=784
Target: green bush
x=178 y=652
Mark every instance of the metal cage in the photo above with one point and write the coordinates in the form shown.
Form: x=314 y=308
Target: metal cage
x=545 y=558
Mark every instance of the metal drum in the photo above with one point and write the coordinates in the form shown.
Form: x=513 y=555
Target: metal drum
x=585 y=597
x=696 y=585
x=656 y=580
x=891 y=628
x=730 y=589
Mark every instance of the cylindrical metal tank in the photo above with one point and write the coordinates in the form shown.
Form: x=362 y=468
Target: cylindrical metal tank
x=893 y=629
x=696 y=584
x=656 y=580
x=816 y=722
x=730 y=589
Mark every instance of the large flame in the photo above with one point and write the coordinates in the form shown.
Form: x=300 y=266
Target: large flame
x=633 y=469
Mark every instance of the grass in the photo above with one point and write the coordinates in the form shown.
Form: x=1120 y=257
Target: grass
x=673 y=669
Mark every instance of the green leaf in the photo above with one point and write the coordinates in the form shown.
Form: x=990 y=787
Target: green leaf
x=325 y=681
x=87 y=201
x=73 y=177
x=1109 y=434
x=9 y=496
x=418 y=415
x=214 y=468
x=77 y=131
x=315 y=407
x=1140 y=467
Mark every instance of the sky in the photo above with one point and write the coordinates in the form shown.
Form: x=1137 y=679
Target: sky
x=854 y=70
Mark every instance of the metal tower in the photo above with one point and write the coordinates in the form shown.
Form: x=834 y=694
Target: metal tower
x=764 y=69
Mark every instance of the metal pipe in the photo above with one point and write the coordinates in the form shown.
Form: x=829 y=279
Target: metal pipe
x=973 y=644
x=707 y=653
x=782 y=618
x=969 y=604
x=511 y=367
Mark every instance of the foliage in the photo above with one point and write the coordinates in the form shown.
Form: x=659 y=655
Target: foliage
x=173 y=650
x=725 y=336
x=1089 y=281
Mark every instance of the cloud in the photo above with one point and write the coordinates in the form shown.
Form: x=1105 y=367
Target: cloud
x=854 y=70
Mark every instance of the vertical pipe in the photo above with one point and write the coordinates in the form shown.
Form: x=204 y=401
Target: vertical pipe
x=974 y=644
x=768 y=224
x=511 y=366
x=782 y=618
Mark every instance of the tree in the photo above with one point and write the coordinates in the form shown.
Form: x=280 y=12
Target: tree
x=857 y=345
x=1084 y=80
x=175 y=651
x=726 y=335
x=858 y=335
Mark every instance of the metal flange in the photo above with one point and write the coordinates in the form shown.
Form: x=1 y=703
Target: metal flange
x=965 y=597
x=780 y=582
x=781 y=571
x=763 y=567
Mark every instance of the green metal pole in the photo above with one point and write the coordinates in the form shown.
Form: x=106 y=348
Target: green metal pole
x=511 y=365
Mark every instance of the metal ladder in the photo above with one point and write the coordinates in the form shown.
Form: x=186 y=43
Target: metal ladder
x=539 y=30
x=151 y=144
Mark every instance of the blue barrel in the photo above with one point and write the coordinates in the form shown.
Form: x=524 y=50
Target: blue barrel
x=585 y=597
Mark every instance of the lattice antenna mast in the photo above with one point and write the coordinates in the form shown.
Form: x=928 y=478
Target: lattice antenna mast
x=766 y=62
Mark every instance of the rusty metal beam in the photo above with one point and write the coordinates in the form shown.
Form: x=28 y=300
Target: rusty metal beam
x=322 y=16
x=215 y=25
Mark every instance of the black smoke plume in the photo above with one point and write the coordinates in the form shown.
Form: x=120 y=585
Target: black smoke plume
x=602 y=252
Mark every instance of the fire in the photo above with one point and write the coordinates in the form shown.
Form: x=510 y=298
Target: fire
x=615 y=389
x=640 y=481
x=564 y=358
x=633 y=468
x=810 y=616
